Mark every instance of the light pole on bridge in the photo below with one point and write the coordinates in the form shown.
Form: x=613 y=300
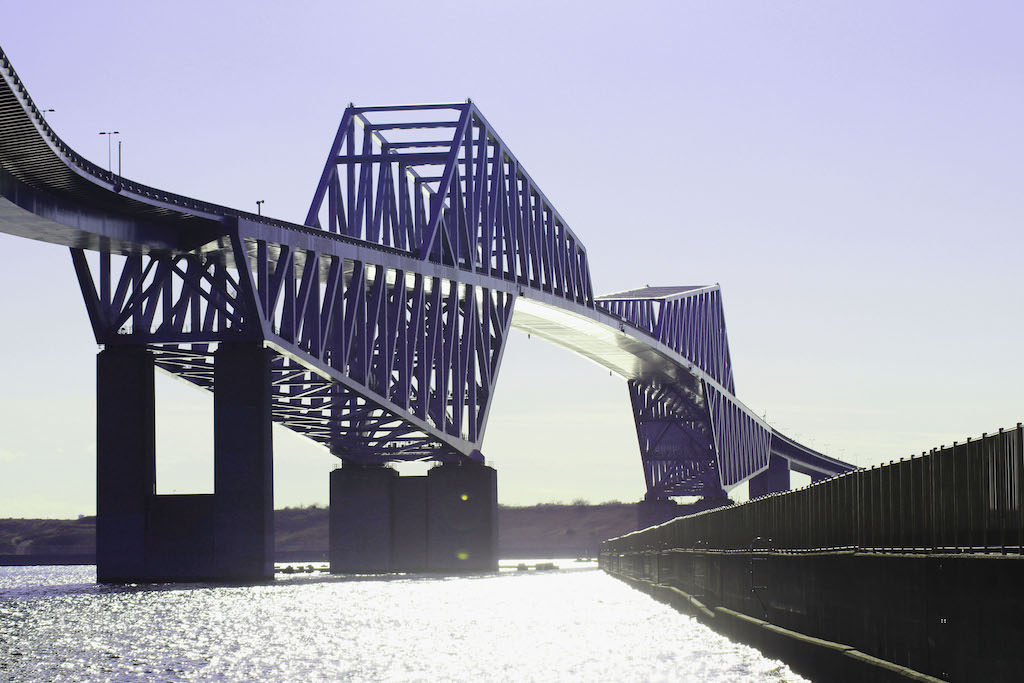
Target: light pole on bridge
x=110 y=134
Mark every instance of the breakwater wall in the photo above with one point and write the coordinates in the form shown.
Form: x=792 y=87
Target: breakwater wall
x=907 y=571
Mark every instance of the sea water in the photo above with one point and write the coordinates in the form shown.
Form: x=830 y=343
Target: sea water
x=566 y=625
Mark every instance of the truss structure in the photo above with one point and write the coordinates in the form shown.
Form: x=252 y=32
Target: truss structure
x=676 y=437
x=437 y=181
x=388 y=309
x=692 y=441
x=376 y=362
x=688 y=320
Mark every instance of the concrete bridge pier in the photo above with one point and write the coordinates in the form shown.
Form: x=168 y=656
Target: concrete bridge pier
x=654 y=511
x=360 y=519
x=143 y=537
x=446 y=521
x=462 y=518
x=772 y=480
x=125 y=461
x=243 y=469
x=409 y=524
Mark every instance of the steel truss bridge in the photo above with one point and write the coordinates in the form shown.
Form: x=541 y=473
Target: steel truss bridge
x=388 y=308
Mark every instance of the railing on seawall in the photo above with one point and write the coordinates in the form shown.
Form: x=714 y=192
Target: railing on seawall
x=964 y=498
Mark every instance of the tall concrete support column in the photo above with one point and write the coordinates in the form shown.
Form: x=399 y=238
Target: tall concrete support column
x=656 y=511
x=360 y=519
x=772 y=480
x=462 y=518
x=125 y=461
x=409 y=524
x=243 y=475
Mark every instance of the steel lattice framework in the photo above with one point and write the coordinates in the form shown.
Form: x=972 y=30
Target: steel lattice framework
x=438 y=182
x=388 y=309
x=681 y=429
x=375 y=362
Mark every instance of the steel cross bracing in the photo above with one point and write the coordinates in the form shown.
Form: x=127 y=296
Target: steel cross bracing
x=677 y=430
x=676 y=438
x=388 y=310
x=374 y=361
x=691 y=321
x=438 y=182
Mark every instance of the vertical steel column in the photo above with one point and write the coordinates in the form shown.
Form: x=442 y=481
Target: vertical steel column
x=243 y=462
x=125 y=461
x=948 y=496
x=1017 y=457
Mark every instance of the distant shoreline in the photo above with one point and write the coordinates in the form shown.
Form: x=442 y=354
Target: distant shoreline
x=532 y=532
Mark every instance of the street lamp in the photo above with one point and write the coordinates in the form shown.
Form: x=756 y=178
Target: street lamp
x=259 y=206
x=109 y=133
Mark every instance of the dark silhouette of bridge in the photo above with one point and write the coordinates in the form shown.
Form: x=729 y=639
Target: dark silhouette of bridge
x=375 y=328
x=906 y=571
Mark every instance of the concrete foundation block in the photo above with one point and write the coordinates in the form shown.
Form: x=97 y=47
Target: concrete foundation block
x=654 y=512
x=227 y=536
x=462 y=518
x=773 y=480
x=409 y=524
x=360 y=520
x=180 y=543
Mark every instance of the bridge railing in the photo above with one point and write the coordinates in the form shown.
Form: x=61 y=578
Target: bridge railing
x=32 y=167
x=968 y=497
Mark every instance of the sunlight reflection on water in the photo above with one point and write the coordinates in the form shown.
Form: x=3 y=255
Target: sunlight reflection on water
x=578 y=625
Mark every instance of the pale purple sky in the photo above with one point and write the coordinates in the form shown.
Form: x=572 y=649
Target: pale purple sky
x=851 y=173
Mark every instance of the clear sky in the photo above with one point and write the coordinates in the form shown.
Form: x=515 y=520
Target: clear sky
x=850 y=173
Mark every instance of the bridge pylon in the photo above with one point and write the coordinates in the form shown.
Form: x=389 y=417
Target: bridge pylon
x=775 y=479
x=446 y=521
x=142 y=536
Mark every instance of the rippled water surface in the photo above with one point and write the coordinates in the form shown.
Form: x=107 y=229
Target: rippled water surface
x=56 y=624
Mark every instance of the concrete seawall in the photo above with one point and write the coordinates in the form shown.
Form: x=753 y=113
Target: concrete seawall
x=815 y=658
x=845 y=616
x=906 y=570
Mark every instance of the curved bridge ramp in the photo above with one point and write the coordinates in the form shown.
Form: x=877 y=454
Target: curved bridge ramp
x=387 y=311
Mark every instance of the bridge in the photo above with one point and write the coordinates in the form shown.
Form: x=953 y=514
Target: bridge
x=376 y=328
